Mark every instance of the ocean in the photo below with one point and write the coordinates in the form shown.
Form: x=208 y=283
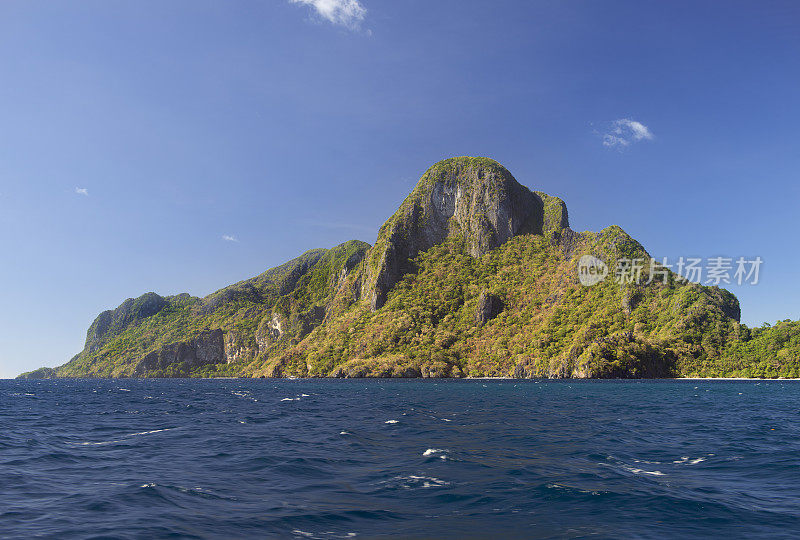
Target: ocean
x=409 y=458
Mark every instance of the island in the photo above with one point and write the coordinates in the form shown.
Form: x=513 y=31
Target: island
x=474 y=275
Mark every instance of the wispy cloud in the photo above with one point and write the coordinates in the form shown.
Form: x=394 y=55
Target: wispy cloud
x=229 y=238
x=624 y=132
x=82 y=191
x=347 y=13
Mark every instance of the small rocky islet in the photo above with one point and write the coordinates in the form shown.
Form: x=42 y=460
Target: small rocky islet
x=474 y=275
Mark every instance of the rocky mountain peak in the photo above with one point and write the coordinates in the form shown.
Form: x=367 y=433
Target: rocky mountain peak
x=476 y=198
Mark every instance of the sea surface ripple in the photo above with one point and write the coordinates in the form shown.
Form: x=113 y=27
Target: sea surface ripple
x=333 y=459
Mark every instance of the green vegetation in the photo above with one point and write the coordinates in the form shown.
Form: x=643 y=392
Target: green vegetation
x=551 y=325
x=766 y=352
x=317 y=316
x=291 y=297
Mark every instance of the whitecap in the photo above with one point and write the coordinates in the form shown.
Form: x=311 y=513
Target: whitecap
x=433 y=451
x=149 y=432
x=101 y=443
x=123 y=439
x=634 y=470
x=689 y=461
x=290 y=399
x=628 y=468
x=344 y=433
x=391 y=422
x=425 y=481
x=303 y=395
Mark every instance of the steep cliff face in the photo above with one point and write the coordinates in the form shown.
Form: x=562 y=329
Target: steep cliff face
x=489 y=307
x=181 y=358
x=176 y=336
x=474 y=275
x=476 y=198
x=130 y=312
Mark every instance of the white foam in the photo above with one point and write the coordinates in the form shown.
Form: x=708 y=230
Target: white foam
x=101 y=443
x=689 y=461
x=391 y=422
x=123 y=439
x=426 y=481
x=344 y=433
x=433 y=451
x=303 y=395
x=634 y=470
x=290 y=399
x=149 y=432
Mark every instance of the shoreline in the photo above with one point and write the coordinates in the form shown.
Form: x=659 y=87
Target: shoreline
x=408 y=378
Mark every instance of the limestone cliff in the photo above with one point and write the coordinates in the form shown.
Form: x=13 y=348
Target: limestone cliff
x=176 y=336
x=474 y=275
x=476 y=198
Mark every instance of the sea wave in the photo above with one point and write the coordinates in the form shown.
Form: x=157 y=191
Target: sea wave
x=81 y=459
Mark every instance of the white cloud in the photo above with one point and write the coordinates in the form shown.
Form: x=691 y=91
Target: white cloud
x=82 y=191
x=347 y=13
x=625 y=131
x=229 y=238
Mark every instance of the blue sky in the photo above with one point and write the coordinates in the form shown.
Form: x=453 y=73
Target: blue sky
x=184 y=145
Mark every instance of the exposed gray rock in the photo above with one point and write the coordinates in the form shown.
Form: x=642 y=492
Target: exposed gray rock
x=208 y=347
x=239 y=346
x=130 y=311
x=489 y=307
x=474 y=197
x=269 y=330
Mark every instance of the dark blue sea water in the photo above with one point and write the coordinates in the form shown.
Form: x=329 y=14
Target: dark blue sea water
x=399 y=458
